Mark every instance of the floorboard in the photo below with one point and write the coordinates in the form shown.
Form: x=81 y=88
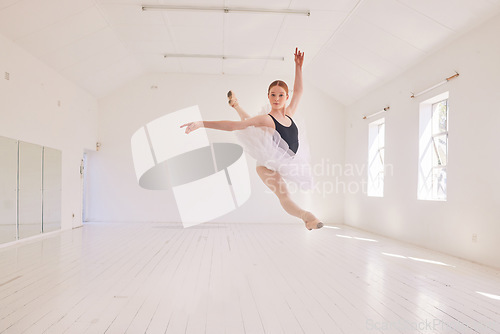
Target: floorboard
x=239 y=278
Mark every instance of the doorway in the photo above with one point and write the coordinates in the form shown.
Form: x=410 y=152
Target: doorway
x=84 y=186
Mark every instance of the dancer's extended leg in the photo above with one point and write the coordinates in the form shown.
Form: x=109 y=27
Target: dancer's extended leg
x=275 y=182
x=233 y=102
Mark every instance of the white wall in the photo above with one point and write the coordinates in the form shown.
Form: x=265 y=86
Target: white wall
x=473 y=178
x=114 y=194
x=30 y=112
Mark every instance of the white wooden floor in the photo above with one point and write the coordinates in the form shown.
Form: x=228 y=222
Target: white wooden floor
x=239 y=278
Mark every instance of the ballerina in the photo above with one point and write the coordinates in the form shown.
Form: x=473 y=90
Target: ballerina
x=273 y=140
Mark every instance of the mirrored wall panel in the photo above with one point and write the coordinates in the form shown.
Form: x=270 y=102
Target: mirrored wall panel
x=52 y=171
x=30 y=189
x=8 y=189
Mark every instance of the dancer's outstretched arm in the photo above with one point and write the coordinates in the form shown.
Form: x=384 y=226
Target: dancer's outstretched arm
x=261 y=120
x=298 y=87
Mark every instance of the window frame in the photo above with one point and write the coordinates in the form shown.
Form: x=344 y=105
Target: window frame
x=431 y=162
x=376 y=178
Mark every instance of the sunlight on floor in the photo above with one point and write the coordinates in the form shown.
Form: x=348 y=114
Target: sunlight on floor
x=489 y=295
x=418 y=259
x=357 y=238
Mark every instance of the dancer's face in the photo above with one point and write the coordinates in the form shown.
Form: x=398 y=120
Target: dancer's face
x=277 y=97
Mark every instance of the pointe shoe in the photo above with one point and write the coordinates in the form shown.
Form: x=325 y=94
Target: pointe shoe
x=314 y=224
x=232 y=100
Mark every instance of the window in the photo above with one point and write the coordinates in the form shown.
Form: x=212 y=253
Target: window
x=376 y=143
x=433 y=148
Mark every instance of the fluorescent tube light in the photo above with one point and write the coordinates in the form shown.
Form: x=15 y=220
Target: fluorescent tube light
x=184 y=55
x=226 y=9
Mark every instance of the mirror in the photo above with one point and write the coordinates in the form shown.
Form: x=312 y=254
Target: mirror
x=30 y=189
x=52 y=171
x=8 y=189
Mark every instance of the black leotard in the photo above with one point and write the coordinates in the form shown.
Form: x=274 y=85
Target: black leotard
x=290 y=134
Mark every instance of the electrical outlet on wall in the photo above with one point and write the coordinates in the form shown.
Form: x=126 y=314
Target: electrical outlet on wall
x=474 y=237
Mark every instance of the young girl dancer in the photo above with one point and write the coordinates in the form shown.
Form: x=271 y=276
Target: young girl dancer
x=273 y=140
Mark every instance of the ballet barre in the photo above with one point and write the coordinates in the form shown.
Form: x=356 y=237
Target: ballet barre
x=377 y=113
x=435 y=86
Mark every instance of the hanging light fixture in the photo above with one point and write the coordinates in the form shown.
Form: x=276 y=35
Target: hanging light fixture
x=225 y=9
x=223 y=57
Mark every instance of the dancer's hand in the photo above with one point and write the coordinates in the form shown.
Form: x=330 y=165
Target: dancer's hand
x=192 y=126
x=299 y=57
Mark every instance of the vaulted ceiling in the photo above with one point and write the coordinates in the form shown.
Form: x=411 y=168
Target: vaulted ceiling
x=351 y=45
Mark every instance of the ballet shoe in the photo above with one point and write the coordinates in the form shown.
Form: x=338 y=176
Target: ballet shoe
x=314 y=225
x=232 y=100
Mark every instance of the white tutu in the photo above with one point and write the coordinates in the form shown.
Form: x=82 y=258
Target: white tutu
x=266 y=146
